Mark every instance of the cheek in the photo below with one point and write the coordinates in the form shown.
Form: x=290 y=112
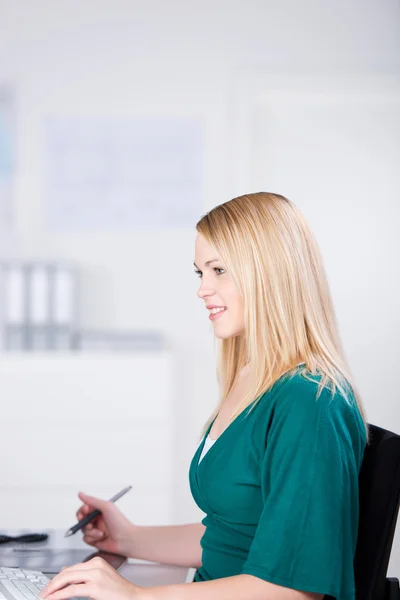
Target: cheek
x=237 y=307
x=231 y=294
x=239 y=304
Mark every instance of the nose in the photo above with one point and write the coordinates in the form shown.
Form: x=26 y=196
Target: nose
x=205 y=290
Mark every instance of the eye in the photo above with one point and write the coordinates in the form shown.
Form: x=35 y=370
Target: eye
x=216 y=269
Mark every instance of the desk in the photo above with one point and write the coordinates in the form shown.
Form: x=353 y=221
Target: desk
x=140 y=572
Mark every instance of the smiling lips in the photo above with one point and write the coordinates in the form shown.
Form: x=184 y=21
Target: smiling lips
x=216 y=312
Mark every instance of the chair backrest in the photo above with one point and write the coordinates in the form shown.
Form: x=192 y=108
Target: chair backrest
x=379 y=488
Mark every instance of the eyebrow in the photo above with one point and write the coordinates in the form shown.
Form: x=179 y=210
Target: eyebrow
x=208 y=262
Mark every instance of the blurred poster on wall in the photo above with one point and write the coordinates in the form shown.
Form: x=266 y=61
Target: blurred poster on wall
x=7 y=158
x=142 y=173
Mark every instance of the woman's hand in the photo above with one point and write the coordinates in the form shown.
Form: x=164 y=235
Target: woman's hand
x=94 y=579
x=111 y=531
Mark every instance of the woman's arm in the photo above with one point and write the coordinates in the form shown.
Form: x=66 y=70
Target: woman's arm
x=239 y=587
x=96 y=579
x=169 y=544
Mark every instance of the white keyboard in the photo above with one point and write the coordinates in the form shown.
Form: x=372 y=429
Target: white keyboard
x=21 y=584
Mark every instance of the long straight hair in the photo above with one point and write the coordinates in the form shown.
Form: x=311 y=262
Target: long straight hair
x=271 y=254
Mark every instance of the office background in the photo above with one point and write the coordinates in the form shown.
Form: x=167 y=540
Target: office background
x=298 y=98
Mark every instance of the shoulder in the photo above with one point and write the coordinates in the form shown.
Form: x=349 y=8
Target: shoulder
x=303 y=392
x=298 y=400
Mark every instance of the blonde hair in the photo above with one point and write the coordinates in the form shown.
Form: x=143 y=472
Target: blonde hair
x=272 y=256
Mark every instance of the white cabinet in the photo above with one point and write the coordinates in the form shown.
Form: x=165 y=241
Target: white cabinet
x=90 y=422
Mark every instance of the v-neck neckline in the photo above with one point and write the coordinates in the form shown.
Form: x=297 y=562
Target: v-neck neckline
x=198 y=463
x=221 y=435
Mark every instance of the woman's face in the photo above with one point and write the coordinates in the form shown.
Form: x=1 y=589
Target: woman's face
x=217 y=289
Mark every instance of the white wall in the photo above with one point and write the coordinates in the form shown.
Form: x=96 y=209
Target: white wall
x=334 y=144
x=179 y=58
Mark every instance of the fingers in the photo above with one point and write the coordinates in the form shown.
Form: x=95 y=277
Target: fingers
x=66 y=577
x=71 y=591
x=92 y=501
x=84 y=510
x=82 y=573
x=92 y=537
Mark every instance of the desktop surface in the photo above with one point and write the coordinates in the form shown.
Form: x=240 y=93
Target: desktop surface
x=50 y=555
x=57 y=551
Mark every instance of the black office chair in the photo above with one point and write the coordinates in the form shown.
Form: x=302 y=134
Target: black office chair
x=379 y=482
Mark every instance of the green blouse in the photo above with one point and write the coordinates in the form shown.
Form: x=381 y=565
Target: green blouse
x=279 y=488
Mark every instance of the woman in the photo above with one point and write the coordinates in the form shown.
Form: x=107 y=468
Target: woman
x=277 y=469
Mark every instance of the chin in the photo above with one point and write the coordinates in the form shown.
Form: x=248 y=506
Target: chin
x=222 y=335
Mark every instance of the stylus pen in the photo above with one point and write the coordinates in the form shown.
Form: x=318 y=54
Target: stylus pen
x=94 y=514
